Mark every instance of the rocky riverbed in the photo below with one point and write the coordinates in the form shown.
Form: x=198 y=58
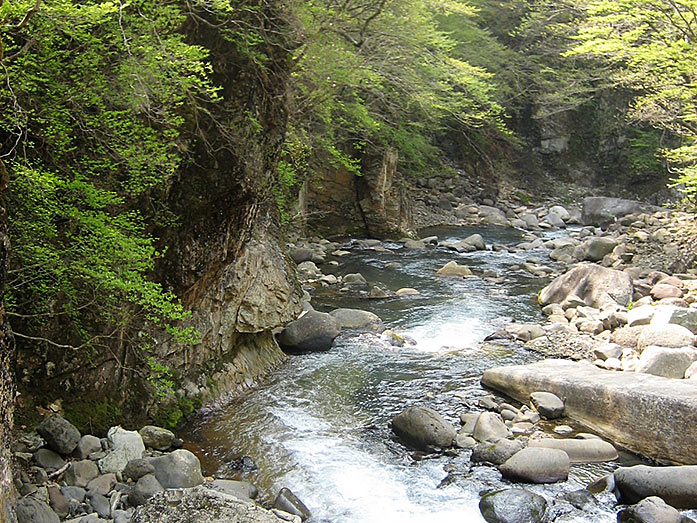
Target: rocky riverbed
x=621 y=295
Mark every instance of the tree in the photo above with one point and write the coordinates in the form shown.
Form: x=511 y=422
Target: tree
x=651 y=46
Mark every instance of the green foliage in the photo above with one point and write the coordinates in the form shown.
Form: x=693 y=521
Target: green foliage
x=93 y=125
x=384 y=74
x=652 y=50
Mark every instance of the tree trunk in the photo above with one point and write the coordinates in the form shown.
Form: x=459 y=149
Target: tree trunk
x=6 y=382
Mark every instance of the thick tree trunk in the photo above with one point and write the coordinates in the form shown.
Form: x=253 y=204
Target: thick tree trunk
x=6 y=382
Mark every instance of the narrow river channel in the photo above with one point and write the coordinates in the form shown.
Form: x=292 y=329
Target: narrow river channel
x=320 y=424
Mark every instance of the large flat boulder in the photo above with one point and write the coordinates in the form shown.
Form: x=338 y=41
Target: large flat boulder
x=647 y=414
x=599 y=209
x=594 y=285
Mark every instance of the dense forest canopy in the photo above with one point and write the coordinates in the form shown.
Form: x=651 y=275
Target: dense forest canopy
x=102 y=102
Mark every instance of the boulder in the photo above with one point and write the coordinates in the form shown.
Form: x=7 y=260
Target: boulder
x=580 y=450
x=554 y=220
x=355 y=280
x=203 y=504
x=524 y=332
x=626 y=337
x=60 y=434
x=240 y=489
x=595 y=249
x=289 y=502
x=665 y=336
x=32 y=510
x=76 y=493
x=607 y=351
x=422 y=427
x=88 y=445
x=640 y=315
x=357 y=319
x=596 y=286
x=145 y=488
x=677 y=316
x=49 y=460
x=57 y=501
x=406 y=291
x=137 y=468
x=156 y=437
x=476 y=241
x=549 y=405
x=492 y=215
x=651 y=510
x=179 y=469
x=81 y=473
x=313 y=331
x=677 y=486
x=560 y=211
x=537 y=465
x=125 y=446
x=513 y=506
x=647 y=414
x=453 y=269
x=497 y=452
x=598 y=209
x=666 y=362
x=661 y=291
x=101 y=484
x=490 y=427
x=100 y=504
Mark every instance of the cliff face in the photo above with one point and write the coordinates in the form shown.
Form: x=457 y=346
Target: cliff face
x=374 y=204
x=223 y=258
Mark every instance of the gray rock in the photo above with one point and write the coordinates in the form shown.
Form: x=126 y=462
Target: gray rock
x=537 y=465
x=180 y=469
x=677 y=316
x=596 y=286
x=81 y=473
x=581 y=499
x=137 y=468
x=665 y=336
x=549 y=405
x=560 y=211
x=314 y=331
x=126 y=445
x=145 y=488
x=355 y=279
x=580 y=450
x=524 y=332
x=650 y=415
x=476 y=241
x=87 y=445
x=205 y=505
x=607 y=351
x=357 y=319
x=490 y=427
x=102 y=484
x=554 y=220
x=240 y=489
x=640 y=315
x=651 y=510
x=595 y=249
x=666 y=362
x=598 y=210
x=60 y=434
x=77 y=493
x=498 y=452
x=422 y=427
x=156 y=437
x=48 y=460
x=677 y=486
x=32 y=510
x=454 y=269
x=289 y=502
x=661 y=291
x=513 y=506
x=100 y=504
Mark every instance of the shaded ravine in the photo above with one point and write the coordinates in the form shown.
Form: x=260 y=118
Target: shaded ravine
x=320 y=424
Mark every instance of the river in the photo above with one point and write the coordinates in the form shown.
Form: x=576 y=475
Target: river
x=319 y=425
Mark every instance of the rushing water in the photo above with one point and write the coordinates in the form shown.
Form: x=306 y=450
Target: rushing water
x=319 y=425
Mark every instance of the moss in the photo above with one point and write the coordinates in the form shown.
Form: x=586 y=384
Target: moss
x=93 y=416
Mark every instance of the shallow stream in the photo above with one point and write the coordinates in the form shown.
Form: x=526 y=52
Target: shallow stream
x=320 y=424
